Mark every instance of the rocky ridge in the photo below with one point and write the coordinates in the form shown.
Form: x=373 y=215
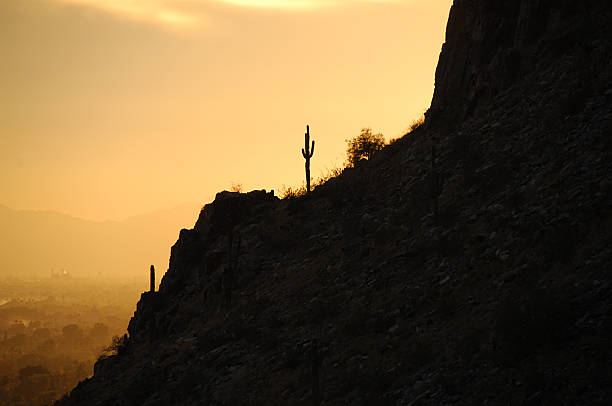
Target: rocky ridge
x=502 y=297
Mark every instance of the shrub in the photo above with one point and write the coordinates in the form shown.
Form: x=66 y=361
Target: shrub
x=288 y=192
x=325 y=176
x=117 y=345
x=364 y=146
x=416 y=123
x=236 y=187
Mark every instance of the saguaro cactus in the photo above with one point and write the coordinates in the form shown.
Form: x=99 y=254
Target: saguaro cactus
x=307 y=154
x=152 y=289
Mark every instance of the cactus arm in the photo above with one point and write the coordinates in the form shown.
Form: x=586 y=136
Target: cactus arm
x=303 y=153
x=312 y=149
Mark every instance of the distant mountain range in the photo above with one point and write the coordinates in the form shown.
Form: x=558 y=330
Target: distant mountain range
x=33 y=243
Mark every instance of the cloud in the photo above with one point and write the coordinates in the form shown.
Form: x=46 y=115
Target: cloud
x=155 y=11
x=172 y=12
x=303 y=4
x=282 y=4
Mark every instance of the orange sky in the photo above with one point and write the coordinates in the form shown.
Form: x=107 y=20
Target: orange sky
x=112 y=108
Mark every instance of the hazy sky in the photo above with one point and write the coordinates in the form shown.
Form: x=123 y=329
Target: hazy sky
x=111 y=108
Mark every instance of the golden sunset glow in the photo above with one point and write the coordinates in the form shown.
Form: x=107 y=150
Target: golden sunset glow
x=114 y=108
x=301 y=3
x=176 y=14
x=155 y=11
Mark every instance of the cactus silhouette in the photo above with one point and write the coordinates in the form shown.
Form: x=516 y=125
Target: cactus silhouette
x=307 y=154
x=152 y=289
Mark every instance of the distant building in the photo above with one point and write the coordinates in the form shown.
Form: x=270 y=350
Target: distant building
x=63 y=274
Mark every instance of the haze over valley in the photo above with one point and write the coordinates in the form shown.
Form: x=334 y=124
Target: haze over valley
x=37 y=243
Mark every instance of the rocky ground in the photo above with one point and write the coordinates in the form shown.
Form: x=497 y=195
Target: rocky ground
x=501 y=295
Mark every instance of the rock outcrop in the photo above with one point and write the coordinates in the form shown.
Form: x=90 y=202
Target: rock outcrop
x=493 y=44
x=503 y=297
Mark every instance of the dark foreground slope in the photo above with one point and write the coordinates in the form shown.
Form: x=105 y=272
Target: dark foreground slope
x=504 y=297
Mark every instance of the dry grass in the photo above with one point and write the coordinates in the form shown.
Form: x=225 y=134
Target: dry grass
x=236 y=187
x=288 y=192
x=416 y=123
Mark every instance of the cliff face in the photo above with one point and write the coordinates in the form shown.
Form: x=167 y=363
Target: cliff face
x=475 y=275
x=493 y=44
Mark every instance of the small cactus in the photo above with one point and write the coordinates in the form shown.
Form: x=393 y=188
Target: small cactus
x=152 y=288
x=307 y=154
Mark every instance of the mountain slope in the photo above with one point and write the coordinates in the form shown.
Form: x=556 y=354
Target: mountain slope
x=501 y=297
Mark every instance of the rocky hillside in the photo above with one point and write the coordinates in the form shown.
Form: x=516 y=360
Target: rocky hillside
x=467 y=263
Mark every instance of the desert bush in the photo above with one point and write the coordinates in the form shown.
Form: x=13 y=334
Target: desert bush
x=117 y=345
x=416 y=123
x=328 y=174
x=364 y=146
x=236 y=187
x=288 y=192
x=413 y=126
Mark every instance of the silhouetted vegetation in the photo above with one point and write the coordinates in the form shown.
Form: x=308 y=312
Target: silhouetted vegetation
x=364 y=146
x=416 y=123
x=288 y=192
x=117 y=345
x=307 y=153
x=236 y=187
x=152 y=279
